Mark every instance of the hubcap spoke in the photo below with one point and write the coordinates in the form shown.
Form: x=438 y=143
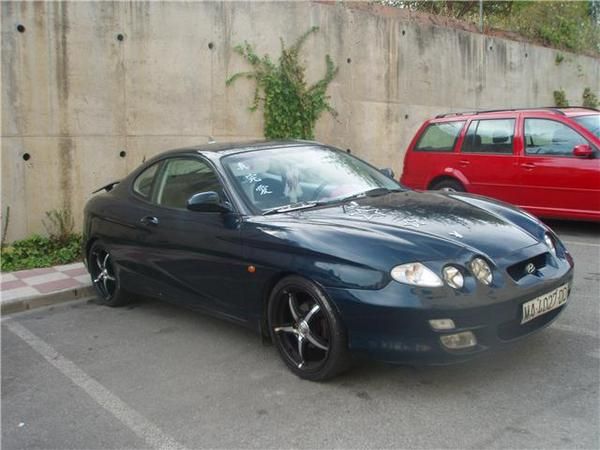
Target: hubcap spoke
x=98 y=263
x=286 y=329
x=104 y=282
x=312 y=312
x=105 y=260
x=110 y=277
x=99 y=277
x=293 y=307
x=314 y=340
x=301 y=351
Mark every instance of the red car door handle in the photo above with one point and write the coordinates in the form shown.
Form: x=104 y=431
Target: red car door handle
x=464 y=162
x=149 y=220
x=527 y=166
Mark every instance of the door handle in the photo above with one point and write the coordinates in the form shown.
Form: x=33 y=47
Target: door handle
x=528 y=166
x=149 y=220
x=464 y=162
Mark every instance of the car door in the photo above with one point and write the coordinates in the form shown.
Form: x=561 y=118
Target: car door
x=488 y=159
x=556 y=182
x=195 y=256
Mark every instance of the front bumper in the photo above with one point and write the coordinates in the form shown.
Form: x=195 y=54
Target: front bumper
x=392 y=324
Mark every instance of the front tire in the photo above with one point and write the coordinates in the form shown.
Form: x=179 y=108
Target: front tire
x=307 y=330
x=105 y=276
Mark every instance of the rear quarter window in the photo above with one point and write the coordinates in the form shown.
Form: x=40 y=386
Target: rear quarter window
x=439 y=137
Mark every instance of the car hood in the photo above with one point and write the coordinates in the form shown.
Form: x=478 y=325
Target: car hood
x=437 y=221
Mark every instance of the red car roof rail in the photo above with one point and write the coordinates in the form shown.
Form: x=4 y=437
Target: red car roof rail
x=556 y=109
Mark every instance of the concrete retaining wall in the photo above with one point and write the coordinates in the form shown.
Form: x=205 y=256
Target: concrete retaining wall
x=75 y=95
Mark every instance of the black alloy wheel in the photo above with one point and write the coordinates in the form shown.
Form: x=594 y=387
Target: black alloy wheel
x=105 y=276
x=306 y=330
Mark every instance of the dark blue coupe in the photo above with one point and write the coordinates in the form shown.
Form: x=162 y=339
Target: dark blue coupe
x=325 y=255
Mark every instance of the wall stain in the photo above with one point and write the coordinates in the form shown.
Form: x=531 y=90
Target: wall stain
x=60 y=19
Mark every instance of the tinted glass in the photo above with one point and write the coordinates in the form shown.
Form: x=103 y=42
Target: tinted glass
x=279 y=177
x=143 y=183
x=592 y=123
x=183 y=178
x=439 y=137
x=490 y=136
x=548 y=137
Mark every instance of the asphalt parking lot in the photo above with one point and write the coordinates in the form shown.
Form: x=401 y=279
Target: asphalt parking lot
x=80 y=375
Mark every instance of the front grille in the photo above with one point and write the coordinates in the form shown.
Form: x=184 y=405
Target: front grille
x=518 y=271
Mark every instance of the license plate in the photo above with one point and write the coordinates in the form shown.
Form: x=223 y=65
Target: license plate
x=544 y=303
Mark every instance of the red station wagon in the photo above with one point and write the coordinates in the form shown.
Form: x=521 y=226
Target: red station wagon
x=545 y=160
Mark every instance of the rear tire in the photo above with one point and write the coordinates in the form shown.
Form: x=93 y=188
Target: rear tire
x=307 y=330
x=448 y=185
x=105 y=276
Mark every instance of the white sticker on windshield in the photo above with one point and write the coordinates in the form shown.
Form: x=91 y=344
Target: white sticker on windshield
x=263 y=189
x=252 y=178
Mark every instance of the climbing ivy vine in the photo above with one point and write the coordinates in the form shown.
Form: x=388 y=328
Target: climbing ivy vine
x=291 y=106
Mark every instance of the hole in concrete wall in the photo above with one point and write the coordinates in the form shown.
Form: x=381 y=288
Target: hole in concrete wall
x=349 y=60
x=122 y=153
x=211 y=45
x=406 y=116
x=491 y=48
x=526 y=55
x=120 y=37
x=348 y=150
x=26 y=156
x=21 y=28
x=403 y=32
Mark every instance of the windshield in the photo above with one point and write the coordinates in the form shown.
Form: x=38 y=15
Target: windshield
x=295 y=175
x=591 y=122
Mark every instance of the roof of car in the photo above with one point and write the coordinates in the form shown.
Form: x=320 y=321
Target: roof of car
x=564 y=111
x=226 y=148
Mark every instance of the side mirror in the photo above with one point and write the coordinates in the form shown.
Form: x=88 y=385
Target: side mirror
x=388 y=172
x=207 y=202
x=583 y=151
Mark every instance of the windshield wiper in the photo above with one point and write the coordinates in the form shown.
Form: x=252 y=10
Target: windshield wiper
x=376 y=192
x=290 y=207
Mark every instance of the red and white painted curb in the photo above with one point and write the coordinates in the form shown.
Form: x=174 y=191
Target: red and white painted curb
x=21 y=290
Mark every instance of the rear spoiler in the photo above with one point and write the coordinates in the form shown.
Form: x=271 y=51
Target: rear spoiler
x=108 y=187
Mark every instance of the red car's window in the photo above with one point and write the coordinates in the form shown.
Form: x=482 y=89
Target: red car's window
x=490 y=136
x=591 y=122
x=439 y=137
x=549 y=137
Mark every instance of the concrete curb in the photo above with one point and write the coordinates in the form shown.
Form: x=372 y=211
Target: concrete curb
x=52 y=298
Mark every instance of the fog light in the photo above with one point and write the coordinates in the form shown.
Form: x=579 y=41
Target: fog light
x=458 y=341
x=442 y=324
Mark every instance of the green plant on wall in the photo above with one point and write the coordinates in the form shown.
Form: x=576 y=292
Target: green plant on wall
x=560 y=99
x=589 y=98
x=291 y=106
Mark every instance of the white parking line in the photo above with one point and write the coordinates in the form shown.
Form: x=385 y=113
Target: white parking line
x=587 y=244
x=133 y=420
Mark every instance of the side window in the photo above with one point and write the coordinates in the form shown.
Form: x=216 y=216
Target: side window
x=490 y=136
x=548 y=137
x=184 y=177
x=439 y=137
x=144 y=182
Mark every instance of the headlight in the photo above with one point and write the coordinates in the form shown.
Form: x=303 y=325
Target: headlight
x=550 y=243
x=482 y=270
x=453 y=277
x=416 y=274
